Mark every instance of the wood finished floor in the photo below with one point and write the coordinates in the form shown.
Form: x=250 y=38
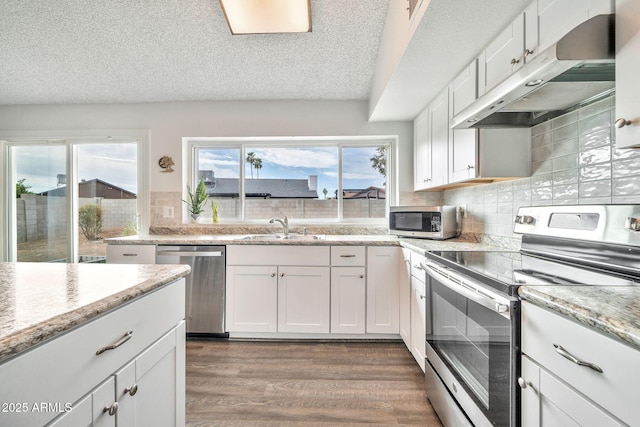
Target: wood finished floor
x=231 y=383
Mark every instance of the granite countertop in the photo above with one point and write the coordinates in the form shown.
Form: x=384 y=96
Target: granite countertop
x=41 y=300
x=419 y=245
x=612 y=310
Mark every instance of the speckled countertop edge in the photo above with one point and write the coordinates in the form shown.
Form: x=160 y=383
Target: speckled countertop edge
x=612 y=310
x=464 y=243
x=25 y=338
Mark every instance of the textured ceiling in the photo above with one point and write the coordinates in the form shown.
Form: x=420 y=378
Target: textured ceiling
x=121 y=51
x=124 y=51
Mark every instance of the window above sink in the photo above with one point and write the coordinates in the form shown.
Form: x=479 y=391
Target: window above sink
x=309 y=179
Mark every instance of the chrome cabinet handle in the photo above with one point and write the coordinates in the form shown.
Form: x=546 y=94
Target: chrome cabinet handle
x=524 y=384
x=347 y=256
x=469 y=167
x=418 y=266
x=362 y=276
x=622 y=122
x=528 y=52
x=131 y=391
x=426 y=180
x=273 y=274
x=564 y=353
x=116 y=344
x=281 y=274
x=112 y=409
x=515 y=61
x=423 y=296
x=129 y=254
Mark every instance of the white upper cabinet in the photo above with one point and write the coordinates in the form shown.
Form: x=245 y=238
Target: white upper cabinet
x=627 y=66
x=541 y=24
x=464 y=88
x=439 y=126
x=421 y=152
x=557 y=17
x=503 y=55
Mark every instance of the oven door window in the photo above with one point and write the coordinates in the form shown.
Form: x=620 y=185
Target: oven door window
x=475 y=344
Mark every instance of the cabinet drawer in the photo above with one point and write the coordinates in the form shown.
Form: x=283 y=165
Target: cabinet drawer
x=346 y=256
x=67 y=366
x=277 y=255
x=416 y=269
x=131 y=254
x=613 y=388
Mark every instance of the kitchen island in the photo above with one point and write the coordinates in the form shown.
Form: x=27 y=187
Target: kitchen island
x=79 y=341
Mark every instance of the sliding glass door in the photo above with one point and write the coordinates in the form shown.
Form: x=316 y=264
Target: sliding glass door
x=67 y=196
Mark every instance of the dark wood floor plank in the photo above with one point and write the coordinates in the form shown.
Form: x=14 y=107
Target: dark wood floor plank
x=306 y=384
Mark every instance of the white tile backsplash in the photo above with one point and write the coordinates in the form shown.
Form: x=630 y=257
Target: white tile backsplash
x=574 y=161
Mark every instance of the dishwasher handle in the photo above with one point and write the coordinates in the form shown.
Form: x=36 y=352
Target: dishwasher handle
x=191 y=253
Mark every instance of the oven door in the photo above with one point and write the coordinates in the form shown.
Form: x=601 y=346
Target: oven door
x=472 y=344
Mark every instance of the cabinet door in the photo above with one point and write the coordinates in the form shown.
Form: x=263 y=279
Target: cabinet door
x=81 y=415
x=464 y=88
x=627 y=66
x=149 y=389
x=103 y=398
x=557 y=17
x=421 y=152
x=554 y=403
x=383 y=268
x=504 y=54
x=418 y=321
x=404 y=294
x=529 y=395
x=463 y=155
x=252 y=299
x=303 y=299
x=439 y=126
x=348 y=293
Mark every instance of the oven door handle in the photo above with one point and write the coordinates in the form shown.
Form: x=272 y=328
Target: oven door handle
x=469 y=289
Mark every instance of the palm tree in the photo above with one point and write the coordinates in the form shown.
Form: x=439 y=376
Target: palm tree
x=251 y=158
x=257 y=163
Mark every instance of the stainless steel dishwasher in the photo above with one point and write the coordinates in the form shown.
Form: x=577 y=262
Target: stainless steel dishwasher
x=205 y=286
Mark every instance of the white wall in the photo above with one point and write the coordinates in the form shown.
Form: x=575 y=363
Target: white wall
x=168 y=123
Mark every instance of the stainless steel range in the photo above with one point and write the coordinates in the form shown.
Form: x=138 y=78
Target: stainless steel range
x=473 y=312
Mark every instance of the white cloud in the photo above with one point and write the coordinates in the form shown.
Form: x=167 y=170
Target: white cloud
x=317 y=158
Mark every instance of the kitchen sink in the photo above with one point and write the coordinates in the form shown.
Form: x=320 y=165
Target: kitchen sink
x=282 y=237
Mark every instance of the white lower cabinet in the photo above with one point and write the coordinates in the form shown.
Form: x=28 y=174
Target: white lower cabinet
x=303 y=299
x=418 y=309
x=547 y=401
x=418 y=320
x=303 y=291
x=146 y=387
x=384 y=266
x=71 y=370
x=405 y=296
x=252 y=299
x=573 y=375
x=348 y=293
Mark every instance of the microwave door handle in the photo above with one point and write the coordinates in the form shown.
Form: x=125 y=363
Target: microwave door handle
x=468 y=290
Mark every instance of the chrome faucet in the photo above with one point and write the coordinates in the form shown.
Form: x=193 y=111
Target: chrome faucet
x=284 y=221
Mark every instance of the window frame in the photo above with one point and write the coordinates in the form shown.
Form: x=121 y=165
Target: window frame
x=245 y=144
x=70 y=139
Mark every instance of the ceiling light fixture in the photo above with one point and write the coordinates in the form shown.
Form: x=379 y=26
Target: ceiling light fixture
x=267 y=16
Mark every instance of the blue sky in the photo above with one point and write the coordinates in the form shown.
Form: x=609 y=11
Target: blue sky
x=39 y=165
x=299 y=163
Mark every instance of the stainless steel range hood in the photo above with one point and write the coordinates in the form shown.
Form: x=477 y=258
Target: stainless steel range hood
x=576 y=71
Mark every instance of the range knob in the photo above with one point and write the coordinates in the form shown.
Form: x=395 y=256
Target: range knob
x=632 y=224
x=524 y=219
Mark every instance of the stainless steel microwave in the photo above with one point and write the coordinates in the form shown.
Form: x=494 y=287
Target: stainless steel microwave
x=427 y=222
